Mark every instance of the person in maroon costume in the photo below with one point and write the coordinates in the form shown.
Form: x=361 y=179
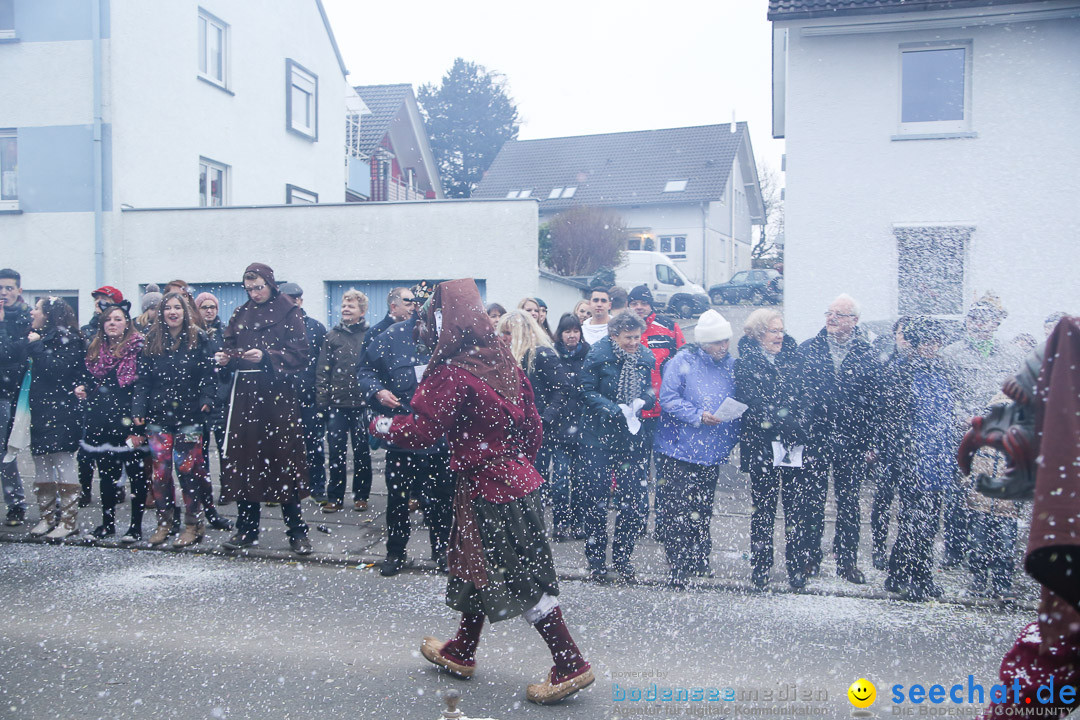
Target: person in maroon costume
x=475 y=395
x=1041 y=671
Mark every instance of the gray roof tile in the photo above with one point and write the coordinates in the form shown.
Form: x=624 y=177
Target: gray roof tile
x=793 y=9
x=617 y=169
x=383 y=101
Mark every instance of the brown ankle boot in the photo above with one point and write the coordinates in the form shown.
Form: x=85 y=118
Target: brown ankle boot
x=162 y=533
x=192 y=535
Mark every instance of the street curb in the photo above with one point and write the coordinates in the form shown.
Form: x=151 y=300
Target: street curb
x=427 y=567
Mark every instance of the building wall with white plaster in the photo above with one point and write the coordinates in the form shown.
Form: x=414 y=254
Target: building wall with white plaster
x=849 y=183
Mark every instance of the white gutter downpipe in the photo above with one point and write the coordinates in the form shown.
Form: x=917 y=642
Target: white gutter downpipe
x=99 y=165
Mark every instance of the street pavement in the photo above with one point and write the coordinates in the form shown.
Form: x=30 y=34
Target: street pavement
x=100 y=633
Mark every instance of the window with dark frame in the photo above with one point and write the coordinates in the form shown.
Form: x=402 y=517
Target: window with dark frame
x=930 y=269
x=9 y=170
x=301 y=100
x=295 y=195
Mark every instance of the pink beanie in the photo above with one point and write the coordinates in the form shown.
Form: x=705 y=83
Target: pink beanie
x=205 y=296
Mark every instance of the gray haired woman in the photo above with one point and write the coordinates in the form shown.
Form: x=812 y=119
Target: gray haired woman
x=617 y=386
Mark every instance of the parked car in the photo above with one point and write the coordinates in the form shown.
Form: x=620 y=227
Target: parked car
x=755 y=286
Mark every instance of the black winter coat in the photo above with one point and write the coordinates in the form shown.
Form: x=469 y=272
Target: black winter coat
x=389 y=362
x=315 y=334
x=771 y=392
x=555 y=390
x=573 y=362
x=600 y=382
x=55 y=415
x=839 y=410
x=172 y=388
x=13 y=332
x=336 y=383
x=107 y=418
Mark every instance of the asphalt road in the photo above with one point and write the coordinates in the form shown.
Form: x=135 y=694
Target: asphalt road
x=101 y=633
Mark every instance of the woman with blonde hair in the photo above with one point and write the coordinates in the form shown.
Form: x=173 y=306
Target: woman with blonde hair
x=582 y=311
x=555 y=392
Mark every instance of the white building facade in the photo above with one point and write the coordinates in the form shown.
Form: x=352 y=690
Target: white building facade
x=117 y=104
x=928 y=157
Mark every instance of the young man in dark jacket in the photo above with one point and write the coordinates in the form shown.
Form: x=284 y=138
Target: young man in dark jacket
x=14 y=327
x=338 y=396
x=841 y=381
x=389 y=371
x=313 y=419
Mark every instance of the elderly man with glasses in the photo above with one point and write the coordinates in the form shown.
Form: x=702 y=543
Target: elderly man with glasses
x=400 y=304
x=840 y=378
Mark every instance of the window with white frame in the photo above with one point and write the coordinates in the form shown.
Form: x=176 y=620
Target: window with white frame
x=555 y=193
x=675 y=186
x=930 y=268
x=213 y=183
x=295 y=195
x=9 y=170
x=569 y=192
x=352 y=135
x=674 y=245
x=302 y=100
x=935 y=88
x=213 y=49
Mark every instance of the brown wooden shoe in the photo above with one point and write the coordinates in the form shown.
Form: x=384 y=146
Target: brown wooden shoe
x=546 y=693
x=431 y=649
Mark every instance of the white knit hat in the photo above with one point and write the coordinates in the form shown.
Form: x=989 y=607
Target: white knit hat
x=712 y=327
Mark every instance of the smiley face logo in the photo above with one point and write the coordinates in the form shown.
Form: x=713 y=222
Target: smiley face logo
x=862 y=693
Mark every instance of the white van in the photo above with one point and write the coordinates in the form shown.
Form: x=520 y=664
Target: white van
x=670 y=288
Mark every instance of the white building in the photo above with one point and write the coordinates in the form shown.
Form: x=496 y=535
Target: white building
x=929 y=149
x=108 y=105
x=691 y=193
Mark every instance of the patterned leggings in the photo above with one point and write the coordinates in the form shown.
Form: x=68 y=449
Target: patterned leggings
x=168 y=450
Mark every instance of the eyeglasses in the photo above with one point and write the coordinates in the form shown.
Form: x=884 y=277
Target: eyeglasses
x=254 y=288
x=208 y=307
x=408 y=301
x=831 y=314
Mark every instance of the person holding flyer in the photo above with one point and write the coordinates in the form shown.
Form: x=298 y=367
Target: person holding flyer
x=692 y=442
x=766 y=380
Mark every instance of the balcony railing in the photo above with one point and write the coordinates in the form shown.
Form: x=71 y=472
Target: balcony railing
x=397 y=191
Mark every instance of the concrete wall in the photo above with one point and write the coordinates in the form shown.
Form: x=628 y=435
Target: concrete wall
x=313 y=244
x=560 y=298
x=848 y=182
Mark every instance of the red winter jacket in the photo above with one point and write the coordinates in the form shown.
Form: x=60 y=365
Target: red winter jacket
x=663 y=337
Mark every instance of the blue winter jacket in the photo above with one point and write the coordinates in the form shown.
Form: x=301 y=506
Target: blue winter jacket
x=694 y=383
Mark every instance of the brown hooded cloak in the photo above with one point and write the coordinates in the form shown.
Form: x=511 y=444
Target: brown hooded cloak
x=264 y=459
x=455 y=322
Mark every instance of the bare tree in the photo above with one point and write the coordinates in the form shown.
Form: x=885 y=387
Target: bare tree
x=766 y=251
x=584 y=239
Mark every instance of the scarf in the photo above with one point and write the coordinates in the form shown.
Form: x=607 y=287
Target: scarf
x=125 y=365
x=631 y=382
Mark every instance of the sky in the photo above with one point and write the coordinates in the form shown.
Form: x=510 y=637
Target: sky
x=584 y=67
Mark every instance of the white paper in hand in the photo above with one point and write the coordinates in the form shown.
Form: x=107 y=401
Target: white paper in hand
x=730 y=409
x=786 y=457
x=633 y=423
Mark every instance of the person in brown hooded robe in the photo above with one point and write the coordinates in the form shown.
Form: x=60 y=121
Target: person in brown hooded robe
x=1043 y=666
x=474 y=394
x=264 y=461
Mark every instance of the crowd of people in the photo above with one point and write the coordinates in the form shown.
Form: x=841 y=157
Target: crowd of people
x=635 y=418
